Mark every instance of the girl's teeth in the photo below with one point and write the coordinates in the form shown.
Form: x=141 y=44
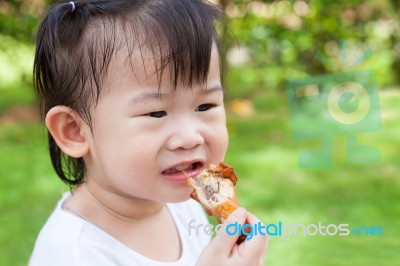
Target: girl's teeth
x=179 y=168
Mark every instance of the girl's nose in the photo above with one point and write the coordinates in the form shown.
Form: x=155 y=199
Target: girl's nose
x=185 y=136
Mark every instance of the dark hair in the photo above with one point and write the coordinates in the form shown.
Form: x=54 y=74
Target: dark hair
x=76 y=41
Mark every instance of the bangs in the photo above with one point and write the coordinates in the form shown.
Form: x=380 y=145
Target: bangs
x=179 y=35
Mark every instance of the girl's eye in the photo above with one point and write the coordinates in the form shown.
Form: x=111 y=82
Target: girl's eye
x=157 y=114
x=204 y=107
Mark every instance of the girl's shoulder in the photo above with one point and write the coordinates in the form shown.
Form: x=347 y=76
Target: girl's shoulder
x=60 y=232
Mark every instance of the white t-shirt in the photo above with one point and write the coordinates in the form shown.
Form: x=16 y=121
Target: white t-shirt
x=68 y=240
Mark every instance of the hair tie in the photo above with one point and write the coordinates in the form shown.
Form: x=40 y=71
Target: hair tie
x=73 y=6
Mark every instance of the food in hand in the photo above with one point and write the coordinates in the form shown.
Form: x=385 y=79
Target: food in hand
x=214 y=188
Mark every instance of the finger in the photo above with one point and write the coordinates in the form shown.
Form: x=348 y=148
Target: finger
x=230 y=231
x=257 y=245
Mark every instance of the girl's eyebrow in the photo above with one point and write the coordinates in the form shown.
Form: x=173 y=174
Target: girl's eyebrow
x=212 y=89
x=146 y=96
x=157 y=95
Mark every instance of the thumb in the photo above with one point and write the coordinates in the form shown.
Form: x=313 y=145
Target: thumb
x=230 y=231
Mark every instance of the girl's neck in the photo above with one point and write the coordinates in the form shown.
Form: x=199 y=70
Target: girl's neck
x=128 y=220
x=94 y=202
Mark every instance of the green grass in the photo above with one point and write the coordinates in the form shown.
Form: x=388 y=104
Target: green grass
x=28 y=190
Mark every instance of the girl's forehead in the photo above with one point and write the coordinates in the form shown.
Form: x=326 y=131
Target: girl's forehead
x=149 y=65
x=139 y=64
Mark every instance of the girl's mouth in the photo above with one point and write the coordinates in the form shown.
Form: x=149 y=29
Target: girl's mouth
x=182 y=171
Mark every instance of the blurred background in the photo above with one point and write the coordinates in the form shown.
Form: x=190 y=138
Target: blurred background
x=267 y=44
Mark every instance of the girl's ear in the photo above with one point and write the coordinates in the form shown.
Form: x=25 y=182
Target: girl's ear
x=67 y=129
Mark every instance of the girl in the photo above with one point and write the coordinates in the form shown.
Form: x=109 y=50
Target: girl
x=132 y=98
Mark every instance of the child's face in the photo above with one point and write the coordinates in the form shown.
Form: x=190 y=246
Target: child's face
x=143 y=139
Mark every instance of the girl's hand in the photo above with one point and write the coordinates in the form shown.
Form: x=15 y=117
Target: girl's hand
x=223 y=249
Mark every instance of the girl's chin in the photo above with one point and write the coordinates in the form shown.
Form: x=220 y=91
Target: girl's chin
x=179 y=193
x=179 y=198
